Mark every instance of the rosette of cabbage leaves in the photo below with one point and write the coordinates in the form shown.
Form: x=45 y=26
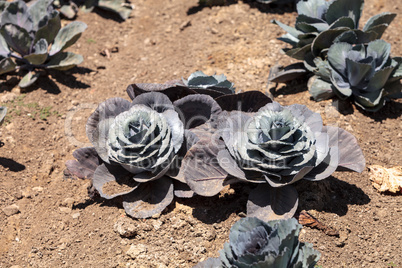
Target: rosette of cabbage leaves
x=273 y=147
x=366 y=73
x=272 y=244
x=138 y=147
x=197 y=83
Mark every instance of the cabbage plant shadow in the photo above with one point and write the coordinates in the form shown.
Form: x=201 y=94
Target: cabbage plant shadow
x=68 y=79
x=218 y=208
x=11 y=165
x=272 y=8
x=330 y=195
x=293 y=87
x=391 y=110
x=200 y=7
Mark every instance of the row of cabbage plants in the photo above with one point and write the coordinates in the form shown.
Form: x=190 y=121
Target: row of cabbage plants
x=341 y=59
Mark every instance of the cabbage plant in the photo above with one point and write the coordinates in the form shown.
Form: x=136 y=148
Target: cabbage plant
x=69 y=8
x=197 y=83
x=272 y=244
x=138 y=148
x=32 y=38
x=273 y=146
x=321 y=23
x=365 y=73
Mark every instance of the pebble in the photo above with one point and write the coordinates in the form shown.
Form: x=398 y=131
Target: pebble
x=11 y=210
x=125 y=227
x=8 y=97
x=65 y=210
x=76 y=215
x=37 y=189
x=136 y=250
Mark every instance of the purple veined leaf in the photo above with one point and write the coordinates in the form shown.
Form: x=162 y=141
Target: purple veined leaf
x=272 y=203
x=87 y=161
x=195 y=110
x=326 y=167
x=6 y=65
x=120 y=7
x=98 y=123
x=209 y=263
x=113 y=180
x=148 y=176
x=281 y=181
x=17 y=38
x=279 y=74
x=312 y=119
x=170 y=89
x=325 y=40
x=50 y=28
x=201 y=170
x=319 y=89
x=182 y=190
x=149 y=198
x=350 y=154
x=28 y=79
x=4 y=50
x=154 y=100
x=16 y=13
x=64 y=61
x=249 y=101
x=227 y=162
x=344 y=8
x=67 y=36
x=38 y=10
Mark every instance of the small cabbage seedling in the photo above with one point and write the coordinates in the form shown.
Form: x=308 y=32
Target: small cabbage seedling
x=32 y=38
x=272 y=244
x=272 y=146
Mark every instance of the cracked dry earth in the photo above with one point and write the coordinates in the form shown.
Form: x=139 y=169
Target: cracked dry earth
x=48 y=220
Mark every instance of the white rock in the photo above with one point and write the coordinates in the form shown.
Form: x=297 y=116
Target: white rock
x=11 y=210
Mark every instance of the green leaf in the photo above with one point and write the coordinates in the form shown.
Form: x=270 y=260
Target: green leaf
x=67 y=36
x=4 y=50
x=378 y=30
x=345 y=8
x=50 y=29
x=28 y=79
x=7 y=65
x=64 y=61
x=277 y=74
x=325 y=39
x=379 y=19
x=294 y=32
x=69 y=11
x=17 y=38
x=3 y=5
x=343 y=22
x=17 y=13
x=372 y=101
x=379 y=79
x=337 y=56
x=3 y=112
x=312 y=8
x=298 y=53
x=38 y=10
x=319 y=89
x=40 y=54
x=119 y=6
